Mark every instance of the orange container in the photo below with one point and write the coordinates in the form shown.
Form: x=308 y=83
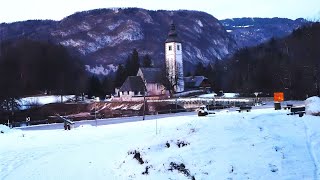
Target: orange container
x=278 y=96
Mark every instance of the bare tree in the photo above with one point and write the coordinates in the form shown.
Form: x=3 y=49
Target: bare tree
x=171 y=82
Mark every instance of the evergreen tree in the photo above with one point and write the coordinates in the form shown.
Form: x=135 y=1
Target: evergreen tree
x=146 y=61
x=200 y=70
x=121 y=76
x=132 y=63
x=30 y=67
x=107 y=85
x=94 y=87
x=135 y=63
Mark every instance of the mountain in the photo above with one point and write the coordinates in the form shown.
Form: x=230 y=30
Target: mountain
x=105 y=37
x=253 y=31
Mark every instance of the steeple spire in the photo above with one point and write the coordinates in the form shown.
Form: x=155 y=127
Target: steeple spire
x=173 y=35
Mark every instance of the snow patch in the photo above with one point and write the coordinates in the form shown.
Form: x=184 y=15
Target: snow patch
x=230 y=95
x=228 y=30
x=199 y=23
x=41 y=100
x=313 y=105
x=4 y=129
x=115 y=10
x=73 y=43
x=115 y=25
x=246 y=26
x=197 y=29
x=84 y=27
x=101 y=69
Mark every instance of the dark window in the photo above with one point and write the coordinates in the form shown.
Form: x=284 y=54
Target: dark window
x=178 y=47
x=170 y=48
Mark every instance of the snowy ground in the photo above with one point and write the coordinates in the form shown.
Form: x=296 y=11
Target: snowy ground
x=261 y=144
x=41 y=100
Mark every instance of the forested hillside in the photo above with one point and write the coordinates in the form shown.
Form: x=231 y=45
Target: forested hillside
x=291 y=64
x=28 y=67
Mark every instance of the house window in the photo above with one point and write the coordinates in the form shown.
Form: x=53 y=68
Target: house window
x=178 y=47
x=170 y=48
x=128 y=92
x=136 y=92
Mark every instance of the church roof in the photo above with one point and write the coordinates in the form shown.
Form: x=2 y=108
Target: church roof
x=194 y=81
x=133 y=83
x=151 y=75
x=173 y=35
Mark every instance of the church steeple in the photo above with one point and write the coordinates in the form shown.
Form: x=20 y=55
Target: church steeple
x=174 y=63
x=173 y=35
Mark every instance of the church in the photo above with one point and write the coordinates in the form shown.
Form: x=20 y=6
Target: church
x=149 y=81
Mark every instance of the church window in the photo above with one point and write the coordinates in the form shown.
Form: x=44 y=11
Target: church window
x=178 y=47
x=170 y=48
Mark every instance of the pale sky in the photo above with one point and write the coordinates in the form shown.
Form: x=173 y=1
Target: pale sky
x=19 y=10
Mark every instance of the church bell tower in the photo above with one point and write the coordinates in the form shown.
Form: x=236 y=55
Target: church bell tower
x=174 y=64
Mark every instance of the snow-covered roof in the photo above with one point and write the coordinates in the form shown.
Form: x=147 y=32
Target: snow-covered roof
x=194 y=81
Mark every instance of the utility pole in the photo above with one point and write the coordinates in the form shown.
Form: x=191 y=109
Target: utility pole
x=176 y=104
x=256 y=100
x=95 y=113
x=144 y=104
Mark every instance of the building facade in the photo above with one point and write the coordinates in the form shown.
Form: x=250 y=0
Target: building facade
x=152 y=79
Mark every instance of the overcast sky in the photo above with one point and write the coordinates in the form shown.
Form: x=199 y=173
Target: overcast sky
x=19 y=10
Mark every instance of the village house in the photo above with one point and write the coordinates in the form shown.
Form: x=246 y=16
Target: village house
x=197 y=83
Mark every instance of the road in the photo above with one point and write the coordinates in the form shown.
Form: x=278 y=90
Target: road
x=100 y=122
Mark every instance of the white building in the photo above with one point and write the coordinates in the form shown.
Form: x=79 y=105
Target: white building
x=174 y=64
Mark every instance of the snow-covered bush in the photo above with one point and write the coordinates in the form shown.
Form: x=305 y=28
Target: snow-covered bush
x=313 y=106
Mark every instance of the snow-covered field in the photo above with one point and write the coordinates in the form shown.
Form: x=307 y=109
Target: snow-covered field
x=261 y=144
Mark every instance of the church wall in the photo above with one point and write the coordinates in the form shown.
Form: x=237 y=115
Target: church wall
x=174 y=64
x=155 y=89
